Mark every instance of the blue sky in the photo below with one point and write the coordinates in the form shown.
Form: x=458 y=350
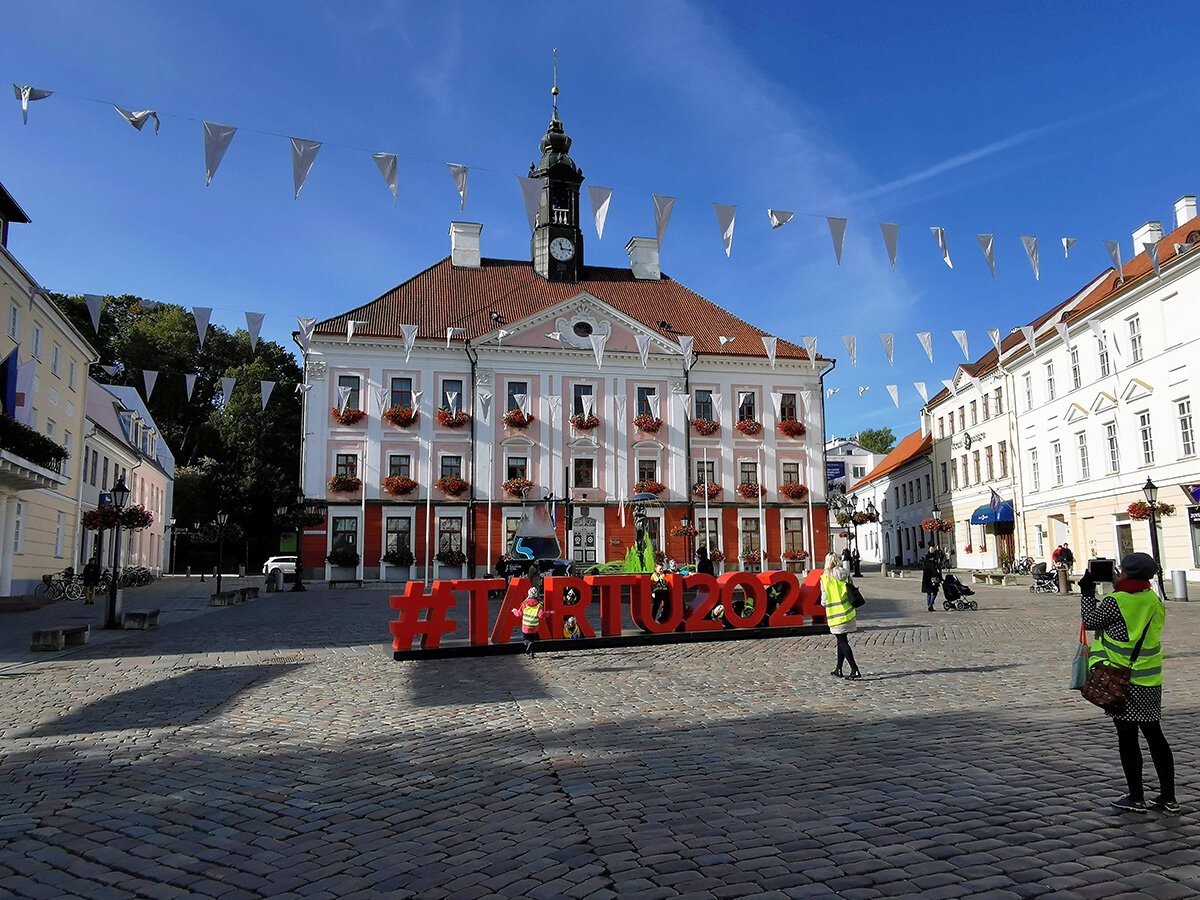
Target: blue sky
x=1041 y=119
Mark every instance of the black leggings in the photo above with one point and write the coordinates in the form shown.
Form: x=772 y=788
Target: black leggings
x=845 y=653
x=1131 y=757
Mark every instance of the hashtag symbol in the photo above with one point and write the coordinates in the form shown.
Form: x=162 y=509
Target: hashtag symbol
x=409 y=623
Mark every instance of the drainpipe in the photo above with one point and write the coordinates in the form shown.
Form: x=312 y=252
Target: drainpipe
x=824 y=454
x=687 y=451
x=473 y=358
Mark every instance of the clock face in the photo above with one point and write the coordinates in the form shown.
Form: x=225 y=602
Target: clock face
x=562 y=249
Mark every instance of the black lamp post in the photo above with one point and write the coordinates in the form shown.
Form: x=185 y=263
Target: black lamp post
x=120 y=496
x=873 y=515
x=936 y=513
x=687 y=540
x=222 y=521
x=1151 y=491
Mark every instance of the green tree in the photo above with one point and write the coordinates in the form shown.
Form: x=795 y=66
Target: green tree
x=878 y=440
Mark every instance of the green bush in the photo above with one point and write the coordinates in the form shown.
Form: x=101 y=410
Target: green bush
x=343 y=557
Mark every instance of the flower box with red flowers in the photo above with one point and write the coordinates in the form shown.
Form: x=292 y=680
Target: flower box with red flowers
x=450 y=484
x=401 y=416
x=794 y=491
x=795 y=555
x=684 y=531
x=584 y=423
x=706 y=427
x=968 y=549
x=648 y=423
x=451 y=557
x=518 y=487
x=399 y=485
x=455 y=419
x=135 y=518
x=754 y=556
x=1140 y=509
x=862 y=518
x=749 y=426
x=943 y=525
x=716 y=556
x=792 y=428
x=514 y=418
x=101 y=518
x=344 y=484
x=751 y=490
x=649 y=487
x=983 y=548
x=710 y=488
x=347 y=416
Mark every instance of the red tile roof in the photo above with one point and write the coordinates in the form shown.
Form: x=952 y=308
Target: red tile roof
x=905 y=451
x=445 y=296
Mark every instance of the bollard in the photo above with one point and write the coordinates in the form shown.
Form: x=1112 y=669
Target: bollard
x=1064 y=581
x=1179 y=590
x=188 y=574
x=883 y=569
x=277 y=579
x=241 y=571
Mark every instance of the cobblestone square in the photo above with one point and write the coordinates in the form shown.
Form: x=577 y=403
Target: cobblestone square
x=276 y=749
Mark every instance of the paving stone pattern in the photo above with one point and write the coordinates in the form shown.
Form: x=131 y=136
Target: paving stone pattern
x=276 y=749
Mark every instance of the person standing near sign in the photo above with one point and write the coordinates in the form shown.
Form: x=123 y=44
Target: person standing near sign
x=1133 y=613
x=839 y=613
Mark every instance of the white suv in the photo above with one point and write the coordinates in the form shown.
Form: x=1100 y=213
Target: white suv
x=284 y=564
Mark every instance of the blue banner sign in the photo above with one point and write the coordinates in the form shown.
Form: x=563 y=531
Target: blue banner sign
x=835 y=470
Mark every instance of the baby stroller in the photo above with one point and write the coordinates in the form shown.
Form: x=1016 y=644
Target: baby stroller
x=956 y=593
x=1043 y=582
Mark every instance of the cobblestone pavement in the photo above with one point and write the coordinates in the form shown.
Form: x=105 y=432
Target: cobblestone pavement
x=276 y=749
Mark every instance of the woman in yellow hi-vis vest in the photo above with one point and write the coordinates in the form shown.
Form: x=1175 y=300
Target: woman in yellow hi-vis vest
x=1132 y=613
x=839 y=613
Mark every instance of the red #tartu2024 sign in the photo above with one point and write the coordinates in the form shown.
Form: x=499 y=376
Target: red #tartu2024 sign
x=427 y=614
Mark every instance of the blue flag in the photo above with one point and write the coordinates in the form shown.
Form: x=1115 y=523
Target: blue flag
x=996 y=501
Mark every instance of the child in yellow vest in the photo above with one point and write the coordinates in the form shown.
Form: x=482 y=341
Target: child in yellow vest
x=531 y=613
x=571 y=629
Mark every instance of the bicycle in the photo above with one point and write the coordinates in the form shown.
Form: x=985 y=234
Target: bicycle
x=1020 y=566
x=60 y=584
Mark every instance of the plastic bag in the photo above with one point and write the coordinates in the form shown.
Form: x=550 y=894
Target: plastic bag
x=1079 y=667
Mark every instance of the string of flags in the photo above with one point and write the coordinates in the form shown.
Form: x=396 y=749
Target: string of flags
x=218 y=137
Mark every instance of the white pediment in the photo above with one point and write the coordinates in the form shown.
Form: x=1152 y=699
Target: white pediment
x=573 y=322
x=1076 y=413
x=652 y=446
x=1136 y=390
x=1103 y=401
x=517 y=441
x=584 y=442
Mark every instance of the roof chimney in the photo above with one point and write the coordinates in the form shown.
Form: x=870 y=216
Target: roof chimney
x=643 y=258
x=1150 y=233
x=1185 y=210
x=464 y=244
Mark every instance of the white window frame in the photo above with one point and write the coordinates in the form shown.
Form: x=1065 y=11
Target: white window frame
x=1137 y=351
x=72 y=374
x=595 y=472
x=1049 y=370
x=1076 y=372
x=1028 y=390
x=1035 y=475
x=19 y=529
x=14 y=322
x=1085 y=469
x=1146 y=433
x=1114 y=447
x=1057 y=457
x=1102 y=357
x=36 y=343
x=1187 y=433
x=56 y=360
x=60 y=534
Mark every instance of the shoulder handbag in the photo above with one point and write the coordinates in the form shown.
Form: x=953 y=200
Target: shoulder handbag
x=1079 y=666
x=855 y=595
x=1107 y=684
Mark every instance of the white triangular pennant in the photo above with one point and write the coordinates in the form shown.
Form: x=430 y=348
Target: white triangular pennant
x=501 y=334
x=304 y=154
x=555 y=402
x=389 y=170
x=806 y=400
x=725 y=221
x=189 y=382
x=1182 y=248
x=810 y=347
x=926 y=339
x=216 y=142
x=94 y=304
x=111 y=370
x=652 y=401
x=1114 y=250
x=940 y=234
x=27 y=94
x=452 y=401
x=643 y=346
x=1097 y=330
x=891 y=234
x=686 y=347
x=718 y=406
x=588 y=402
x=459 y=174
x=557 y=336
x=961 y=337
x=531 y=193
x=343 y=397
x=485 y=407
x=778 y=217
x=453 y=332
x=1028 y=334
x=722 y=340
x=1068 y=243
x=994 y=334
x=922 y=390
x=987 y=243
x=409 y=333
x=1152 y=252
x=837 y=231
x=598 y=341
x=777 y=403
x=300 y=388
x=831 y=391
x=265 y=388
x=416 y=398
x=950 y=386
x=771 y=344
x=148 y=304
x=227 y=385
x=149 y=376
x=1062 y=328
x=685 y=400
x=138 y=119
x=305 y=334
x=202 y=315
x=894 y=390
x=851 y=343
x=744 y=397
x=889 y=347
x=254 y=326
x=599 y=197
x=662 y=215
x=862 y=390
x=1031 y=250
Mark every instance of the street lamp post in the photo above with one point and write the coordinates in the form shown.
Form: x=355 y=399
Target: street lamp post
x=873 y=515
x=171 y=525
x=1151 y=491
x=120 y=496
x=687 y=539
x=222 y=521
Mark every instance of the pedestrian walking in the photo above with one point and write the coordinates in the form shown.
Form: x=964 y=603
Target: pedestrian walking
x=1066 y=558
x=931 y=576
x=839 y=613
x=531 y=613
x=91 y=580
x=1133 y=614
x=704 y=565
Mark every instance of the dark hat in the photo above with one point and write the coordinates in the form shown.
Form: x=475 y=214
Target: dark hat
x=1140 y=566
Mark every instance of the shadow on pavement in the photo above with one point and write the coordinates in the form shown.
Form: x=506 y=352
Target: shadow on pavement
x=434 y=683
x=947 y=671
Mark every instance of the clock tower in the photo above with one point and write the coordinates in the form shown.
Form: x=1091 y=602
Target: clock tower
x=557 y=244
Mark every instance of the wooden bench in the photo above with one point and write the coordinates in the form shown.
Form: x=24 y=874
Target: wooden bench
x=140 y=619
x=357 y=582
x=49 y=639
x=993 y=578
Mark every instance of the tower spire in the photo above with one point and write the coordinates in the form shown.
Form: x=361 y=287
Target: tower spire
x=554 y=90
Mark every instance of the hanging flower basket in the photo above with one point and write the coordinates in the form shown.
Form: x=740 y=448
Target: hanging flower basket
x=648 y=487
x=401 y=556
x=969 y=549
x=716 y=556
x=514 y=418
x=135 y=518
x=754 y=556
x=344 y=484
x=684 y=531
x=399 y=485
x=842 y=518
x=402 y=416
x=942 y=525
x=751 y=490
x=710 y=488
x=792 y=428
x=450 y=484
x=862 y=518
x=518 y=487
x=794 y=491
x=647 y=423
x=749 y=426
x=451 y=557
x=101 y=518
x=795 y=555
x=347 y=416
x=584 y=423
x=706 y=427
x=1140 y=509
x=452 y=419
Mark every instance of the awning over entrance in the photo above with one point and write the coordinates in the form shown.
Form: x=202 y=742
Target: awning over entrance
x=985 y=515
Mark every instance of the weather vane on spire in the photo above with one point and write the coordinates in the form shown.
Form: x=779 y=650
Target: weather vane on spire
x=554 y=90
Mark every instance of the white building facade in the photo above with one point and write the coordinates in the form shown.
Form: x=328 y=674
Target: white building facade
x=900 y=489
